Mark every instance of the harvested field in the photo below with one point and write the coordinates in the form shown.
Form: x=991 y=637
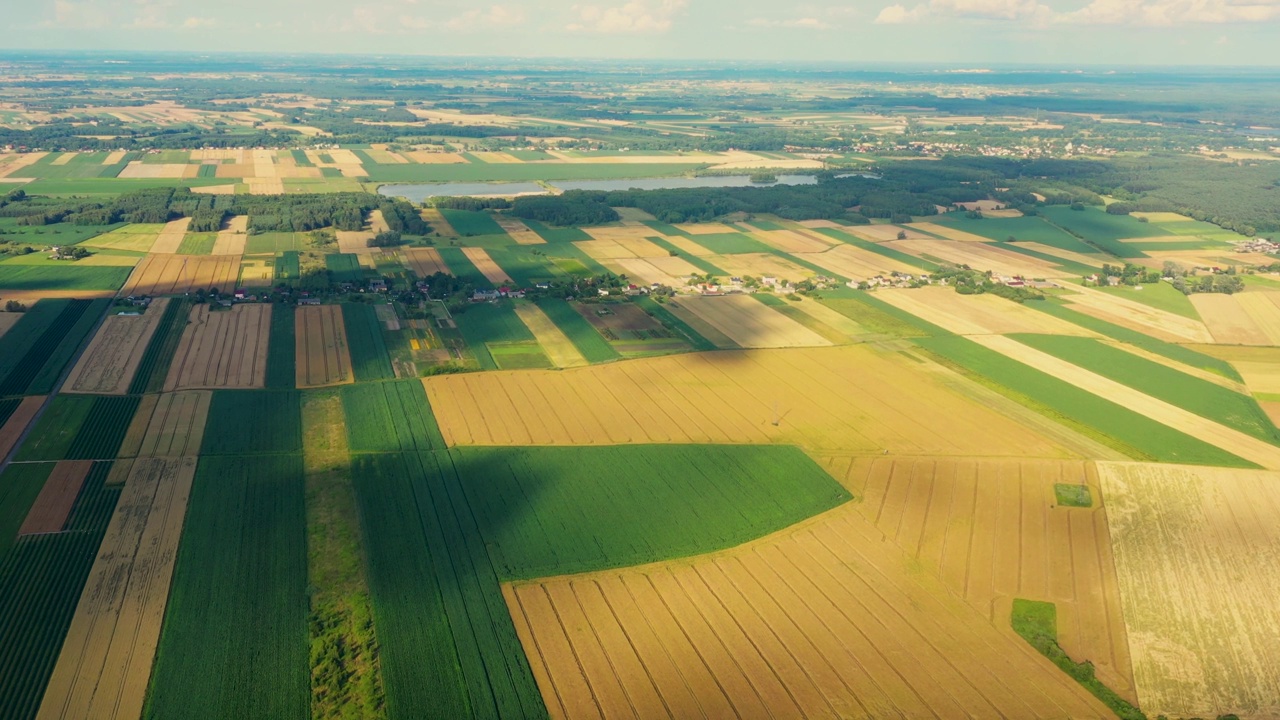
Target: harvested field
x=977 y=314
x=559 y=348
x=709 y=228
x=1137 y=316
x=856 y=263
x=1259 y=366
x=109 y=363
x=992 y=531
x=170 y=238
x=106 y=659
x=215 y=189
x=257 y=271
x=354 y=241
x=485 y=264
x=138 y=170
x=435 y=158
x=622 y=320
x=1248 y=318
x=178 y=274
x=52 y=506
x=518 y=231
x=13 y=428
x=1233 y=441
x=603 y=250
x=821 y=620
x=980 y=256
x=752 y=324
x=232 y=239
x=425 y=261
x=672 y=271
x=760 y=265
x=793 y=241
x=114 y=157
x=225 y=349
x=1161 y=217
x=64 y=158
x=881 y=233
x=321 y=349
x=699 y=328
x=853 y=399
x=11 y=164
x=832 y=319
x=438 y=222
x=1202 y=619
x=1068 y=255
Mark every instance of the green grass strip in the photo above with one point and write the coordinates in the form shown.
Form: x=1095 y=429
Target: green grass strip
x=369 y=357
x=581 y=333
x=1129 y=432
x=1037 y=623
x=675 y=324
x=281 y=349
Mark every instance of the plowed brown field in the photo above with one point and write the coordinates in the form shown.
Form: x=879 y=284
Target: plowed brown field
x=322 y=356
x=854 y=398
x=1196 y=552
x=18 y=421
x=224 y=349
x=105 y=663
x=108 y=364
x=52 y=506
x=822 y=620
x=991 y=531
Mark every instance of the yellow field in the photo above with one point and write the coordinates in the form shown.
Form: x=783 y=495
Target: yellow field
x=321 y=347
x=949 y=232
x=672 y=271
x=354 y=241
x=1259 y=366
x=752 y=324
x=105 y=662
x=843 y=399
x=518 y=231
x=760 y=265
x=991 y=531
x=225 y=349
x=134 y=238
x=1233 y=441
x=1161 y=217
x=170 y=238
x=107 y=366
x=710 y=228
x=486 y=265
x=976 y=314
x=232 y=239
x=1137 y=316
x=178 y=274
x=1247 y=318
x=1195 y=552
x=794 y=241
x=435 y=158
x=824 y=619
x=980 y=257
x=64 y=158
x=11 y=164
x=137 y=170
x=881 y=233
x=856 y=263
x=171 y=425
x=437 y=222
x=559 y=348
x=114 y=157
x=1094 y=260
x=257 y=271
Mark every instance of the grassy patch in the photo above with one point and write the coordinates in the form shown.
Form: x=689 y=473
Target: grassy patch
x=198 y=243
x=288 y=266
x=495 y=324
x=1101 y=230
x=469 y=222
x=67 y=276
x=878 y=316
x=281 y=349
x=369 y=357
x=461 y=267
x=1023 y=229
x=1072 y=495
x=1037 y=623
x=274 y=242
x=344 y=267
x=57 y=428
x=590 y=343
x=389 y=417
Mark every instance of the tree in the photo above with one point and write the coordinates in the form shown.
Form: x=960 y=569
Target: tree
x=14 y=306
x=902 y=234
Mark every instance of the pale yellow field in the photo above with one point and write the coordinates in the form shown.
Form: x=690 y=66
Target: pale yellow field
x=377 y=223
x=881 y=233
x=855 y=399
x=107 y=366
x=321 y=347
x=562 y=352
x=991 y=531
x=225 y=349
x=425 y=261
x=177 y=274
x=64 y=158
x=1233 y=441
x=1137 y=316
x=134 y=238
x=794 y=241
x=604 y=249
x=1259 y=366
x=435 y=158
x=106 y=658
x=139 y=170
x=438 y=222
x=170 y=237
x=824 y=619
x=1202 y=619
x=976 y=314
x=114 y=157
x=173 y=425
x=1247 y=318
x=256 y=271
x=856 y=263
x=752 y=324
x=385 y=157
x=232 y=239
x=1161 y=217
x=1094 y=260
x=355 y=242
x=215 y=189
x=11 y=164
x=760 y=265
x=980 y=257
x=12 y=429
x=486 y=265
x=499 y=158
x=518 y=231
x=832 y=319
x=710 y=228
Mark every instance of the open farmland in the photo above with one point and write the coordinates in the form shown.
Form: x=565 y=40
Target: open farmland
x=983 y=314
x=109 y=363
x=321 y=351
x=425 y=261
x=16 y=421
x=1201 y=620
x=52 y=506
x=179 y=274
x=106 y=659
x=174 y=427
x=39 y=346
x=276 y=425
x=222 y=349
x=824 y=619
x=993 y=530
x=1248 y=318
x=562 y=351
x=856 y=399
x=368 y=348
x=1127 y=313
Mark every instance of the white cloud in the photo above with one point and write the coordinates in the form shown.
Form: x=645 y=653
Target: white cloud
x=635 y=16
x=804 y=23
x=195 y=23
x=1165 y=13
x=898 y=14
x=151 y=14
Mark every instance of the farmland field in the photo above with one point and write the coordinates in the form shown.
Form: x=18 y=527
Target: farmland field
x=239 y=600
x=344 y=267
x=15 y=276
x=222 y=349
x=580 y=332
x=368 y=348
x=389 y=417
x=497 y=337
x=281 y=350
x=116 y=351
x=270 y=423
x=320 y=349
x=39 y=346
x=153 y=367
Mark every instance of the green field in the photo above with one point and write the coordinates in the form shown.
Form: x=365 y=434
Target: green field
x=389 y=417
x=1201 y=397
x=344 y=267
x=104 y=427
x=235 y=638
x=57 y=429
x=1066 y=265
x=1022 y=229
x=556 y=234
x=198 y=243
x=492 y=330
x=1102 y=230
x=35 y=351
x=524 y=267
x=288 y=266
x=590 y=343
x=67 y=276
x=41 y=578
x=461 y=267
x=113 y=186
x=675 y=324
x=369 y=358
x=274 y=242
x=1133 y=434
x=19 y=485
x=1161 y=296
x=878 y=316
x=253 y=422
x=281 y=349
x=59 y=234
x=515 y=172
x=470 y=222
x=154 y=367
x=732 y=243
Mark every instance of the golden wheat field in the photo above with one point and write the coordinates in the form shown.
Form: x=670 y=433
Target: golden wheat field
x=562 y=352
x=321 y=350
x=1247 y=318
x=222 y=349
x=107 y=366
x=752 y=324
x=1195 y=552
x=976 y=314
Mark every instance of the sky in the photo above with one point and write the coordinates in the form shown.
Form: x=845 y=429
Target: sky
x=947 y=32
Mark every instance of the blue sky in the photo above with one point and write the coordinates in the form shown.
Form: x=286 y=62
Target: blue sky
x=963 y=32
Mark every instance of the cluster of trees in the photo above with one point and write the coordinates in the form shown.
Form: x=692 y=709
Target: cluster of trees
x=403 y=217
x=575 y=207
x=975 y=282
x=1227 y=284
x=1131 y=274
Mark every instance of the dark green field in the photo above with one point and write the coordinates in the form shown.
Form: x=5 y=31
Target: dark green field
x=368 y=348
x=67 y=277
x=590 y=343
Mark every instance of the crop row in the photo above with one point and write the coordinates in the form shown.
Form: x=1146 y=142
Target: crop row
x=80 y=427
x=281 y=349
x=156 y=359
x=234 y=642
x=369 y=357
x=252 y=422
x=43 y=345
x=389 y=417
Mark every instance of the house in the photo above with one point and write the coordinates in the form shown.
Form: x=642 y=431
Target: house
x=241 y=293
x=378 y=285
x=484 y=295
x=309 y=301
